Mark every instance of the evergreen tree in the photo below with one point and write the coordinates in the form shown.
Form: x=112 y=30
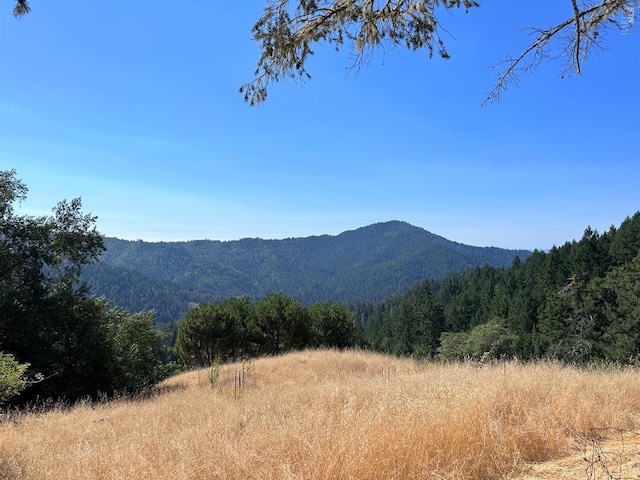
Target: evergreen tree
x=427 y=321
x=288 y=31
x=625 y=241
x=204 y=335
x=613 y=302
x=577 y=303
x=282 y=324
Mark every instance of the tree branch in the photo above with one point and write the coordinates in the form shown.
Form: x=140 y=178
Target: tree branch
x=576 y=12
x=22 y=7
x=588 y=22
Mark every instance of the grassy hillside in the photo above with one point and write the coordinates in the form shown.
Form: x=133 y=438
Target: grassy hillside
x=331 y=415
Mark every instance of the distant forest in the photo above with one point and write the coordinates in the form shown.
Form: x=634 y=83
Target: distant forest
x=363 y=265
x=579 y=302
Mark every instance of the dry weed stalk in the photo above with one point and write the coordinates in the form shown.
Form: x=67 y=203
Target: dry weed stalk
x=602 y=463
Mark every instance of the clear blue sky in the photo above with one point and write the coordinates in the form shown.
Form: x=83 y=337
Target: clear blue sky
x=133 y=107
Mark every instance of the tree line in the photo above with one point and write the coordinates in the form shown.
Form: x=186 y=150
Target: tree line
x=579 y=302
x=237 y=329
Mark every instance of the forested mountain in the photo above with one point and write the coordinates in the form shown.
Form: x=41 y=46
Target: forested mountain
x=363 y=265
x=576 y=302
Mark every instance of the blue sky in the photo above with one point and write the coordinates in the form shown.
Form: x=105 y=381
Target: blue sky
x=133 y=107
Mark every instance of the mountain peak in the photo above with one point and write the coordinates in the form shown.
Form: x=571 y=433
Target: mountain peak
x=366 y=264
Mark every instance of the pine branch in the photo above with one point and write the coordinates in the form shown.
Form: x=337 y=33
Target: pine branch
x=588 y=23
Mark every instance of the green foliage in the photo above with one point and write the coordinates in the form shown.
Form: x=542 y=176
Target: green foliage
x=282 y=324
x=577 y=303
x=408 y=324
x=45 y=317
x=612 y=304
x=489 y=341
x=137 y=349
x=454 y=346
x=12 y=377
x=625 y=241
x=135 y=290
x=212 y=331
x=237 y=329
x=492 y=340
x=80 y=346
x=333 y=325
x=200 y=335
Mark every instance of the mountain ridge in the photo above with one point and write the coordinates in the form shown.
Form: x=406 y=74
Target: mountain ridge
x=364 y=264
x=322 y=235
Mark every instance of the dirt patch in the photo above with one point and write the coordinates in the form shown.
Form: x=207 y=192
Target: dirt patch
x=609 y=454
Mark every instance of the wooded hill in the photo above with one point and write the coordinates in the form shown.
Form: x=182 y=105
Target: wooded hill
x=363 y=265
x=577 y=302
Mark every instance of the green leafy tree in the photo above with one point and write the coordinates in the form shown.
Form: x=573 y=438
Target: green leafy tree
x=334 y=325
x=137 y=349
x=236 y=329
x=489 y=341
x=239 y=334
x=282 y=324
x=216 y=331
x=48 y=319
x=201 y=336
x=454 y=346
x=13 y=378
x=492 y=340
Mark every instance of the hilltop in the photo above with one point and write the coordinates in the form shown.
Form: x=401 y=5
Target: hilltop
x=338 y=415
x=362 y=265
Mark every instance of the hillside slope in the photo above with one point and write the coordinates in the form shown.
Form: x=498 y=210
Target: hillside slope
x=339 y=415
x=366 y=264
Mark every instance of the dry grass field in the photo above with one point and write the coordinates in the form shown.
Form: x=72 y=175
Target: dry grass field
x=344 y=415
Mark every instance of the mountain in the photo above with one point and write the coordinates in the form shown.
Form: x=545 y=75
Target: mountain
x=366 y=264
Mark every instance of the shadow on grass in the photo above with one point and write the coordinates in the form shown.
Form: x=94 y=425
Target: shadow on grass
x=39 y=406
x=157 y=391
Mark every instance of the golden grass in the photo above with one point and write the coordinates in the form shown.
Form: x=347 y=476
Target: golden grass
x=328 y=415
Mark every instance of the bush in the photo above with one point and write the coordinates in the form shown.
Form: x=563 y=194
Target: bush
x=12 y=376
